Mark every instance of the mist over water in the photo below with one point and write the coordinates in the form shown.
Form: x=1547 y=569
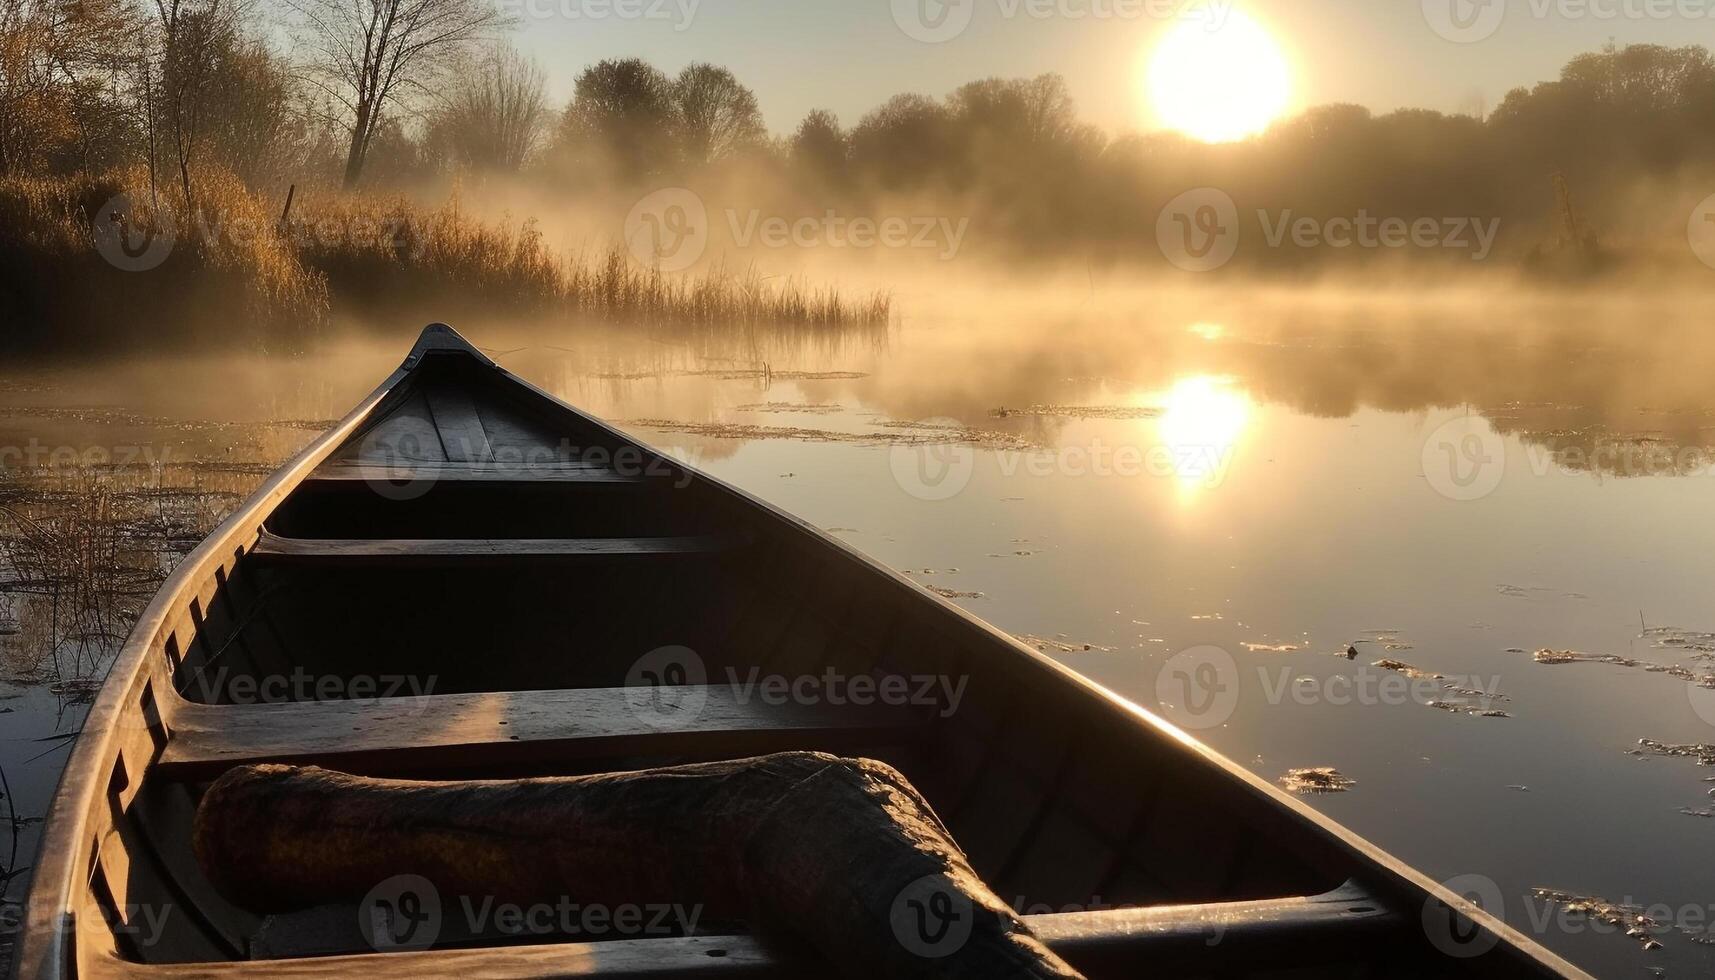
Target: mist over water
x=1280 y=472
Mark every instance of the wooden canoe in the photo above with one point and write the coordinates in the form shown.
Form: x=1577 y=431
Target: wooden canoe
x=466 y=577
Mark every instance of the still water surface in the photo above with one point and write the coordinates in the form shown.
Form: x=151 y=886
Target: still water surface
x=1269 y=482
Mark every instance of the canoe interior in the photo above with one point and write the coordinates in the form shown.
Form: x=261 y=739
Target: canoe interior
x=1062 y=799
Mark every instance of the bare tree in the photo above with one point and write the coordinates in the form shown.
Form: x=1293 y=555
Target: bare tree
x=718 y=116
x=495 y=120
x=254 y=122
x=372 y=54
x=193 y=34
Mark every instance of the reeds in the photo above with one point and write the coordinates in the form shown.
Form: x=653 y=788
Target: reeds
x=385 y=252
x=234 y=267
x=101 y=259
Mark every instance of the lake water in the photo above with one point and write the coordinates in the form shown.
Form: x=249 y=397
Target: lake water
x=1205 y=502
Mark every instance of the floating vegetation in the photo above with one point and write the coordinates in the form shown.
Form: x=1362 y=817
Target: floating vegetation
x=1546 y=656
x=792 y=408
x=1631 y=918
x=1387 y=639
x=1673 y=638
x=1557 y=657
x=1536 y=592
x=1114 y=412
x=77 y=690
x=1272 y=647
x=954 y=593
x=1459 y=696
x=1408 y=670
x=1474 y=692
x=1457 y=708
x=905 y=433
x=1045 y=645
x=1703 y=754
x=1315 y=782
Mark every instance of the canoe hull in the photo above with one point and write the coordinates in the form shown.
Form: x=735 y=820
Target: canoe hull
x=449 y=571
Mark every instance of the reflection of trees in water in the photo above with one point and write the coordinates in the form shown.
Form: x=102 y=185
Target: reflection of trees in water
x=1611 y=384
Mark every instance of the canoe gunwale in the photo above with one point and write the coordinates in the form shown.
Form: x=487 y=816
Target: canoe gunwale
x=46 y=947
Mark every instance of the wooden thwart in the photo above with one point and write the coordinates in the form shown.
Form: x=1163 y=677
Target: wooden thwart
x=422 y=733
x=272 y=547
x=492 y=471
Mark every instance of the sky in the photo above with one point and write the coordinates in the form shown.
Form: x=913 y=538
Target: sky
x=851 y=55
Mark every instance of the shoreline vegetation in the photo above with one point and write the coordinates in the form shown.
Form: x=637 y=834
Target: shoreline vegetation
x=126 y=125
x=82 y=255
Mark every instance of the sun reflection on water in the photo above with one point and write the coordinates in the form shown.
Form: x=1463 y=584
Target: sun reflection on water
x=1202 y=424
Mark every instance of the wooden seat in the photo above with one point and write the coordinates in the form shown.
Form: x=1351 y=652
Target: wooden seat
x=273 y=548
x=1118 y=942
x=454 y=731
x=1148 y=941
x=464 y=471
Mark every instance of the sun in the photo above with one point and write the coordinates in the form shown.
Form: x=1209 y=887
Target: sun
x=1219 y=83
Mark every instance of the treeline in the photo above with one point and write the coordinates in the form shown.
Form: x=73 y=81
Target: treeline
x=402 y=93
x=1627 y=131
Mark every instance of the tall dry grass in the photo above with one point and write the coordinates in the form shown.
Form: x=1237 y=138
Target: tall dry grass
x=235 y=269
x=377 y=253
x=58 y=288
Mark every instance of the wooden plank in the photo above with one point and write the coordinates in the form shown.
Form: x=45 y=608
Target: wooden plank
x=459 y=425
x=1300 y=931
x=149 y=916
x=513 y=433
x=501 y=471
x=451 y=731
x=162 y=811
x=1119 y=942
x=278 y=549
x=406 y=434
